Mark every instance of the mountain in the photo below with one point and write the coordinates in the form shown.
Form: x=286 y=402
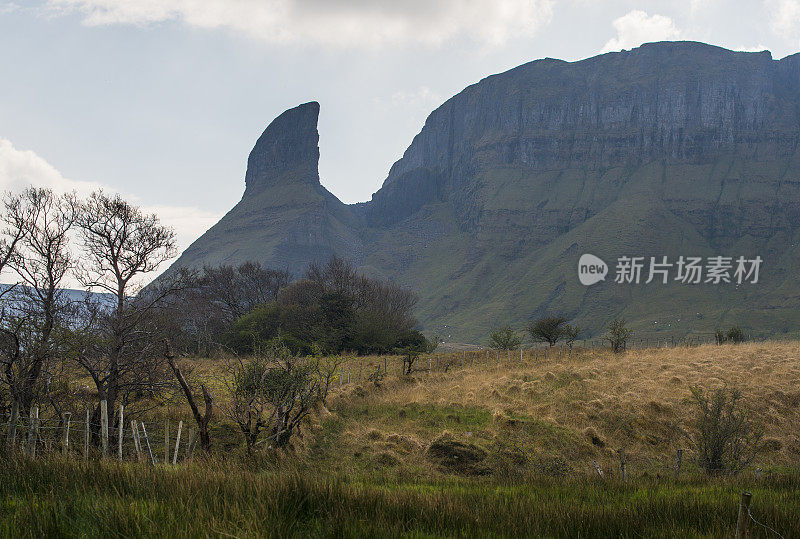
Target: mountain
x=670 y=149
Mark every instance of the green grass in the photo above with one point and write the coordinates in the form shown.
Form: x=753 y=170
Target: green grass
x=65 y=498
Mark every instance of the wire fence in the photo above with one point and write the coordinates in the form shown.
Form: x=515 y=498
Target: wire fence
x=158 y=441
x=358 y=369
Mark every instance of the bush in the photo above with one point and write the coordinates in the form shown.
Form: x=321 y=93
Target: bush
x=734 y=335
x=726 y=437
x=618 y=335
x=504 y=338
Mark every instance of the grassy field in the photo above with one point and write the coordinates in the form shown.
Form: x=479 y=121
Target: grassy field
x=57 y=498
x=488 y=448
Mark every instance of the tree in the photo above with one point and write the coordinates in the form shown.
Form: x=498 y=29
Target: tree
x=216 y=298
x=726 y=437
x=571 y=334
x=411 y=345
x=618 y=335
x=122 y=244
x=203 y=419
x=549 y=329
x=505 y=338
x=334 y=308
x=36 y=247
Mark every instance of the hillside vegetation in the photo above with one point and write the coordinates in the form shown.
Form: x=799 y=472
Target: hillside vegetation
x=497 y=448
x=551 y=416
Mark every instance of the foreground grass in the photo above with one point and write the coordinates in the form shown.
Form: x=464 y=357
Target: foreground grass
x=66 y=498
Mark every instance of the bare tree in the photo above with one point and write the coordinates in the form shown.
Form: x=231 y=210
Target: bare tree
x=220 y=296
x=203 y=419
x=38 y=223
x=123 y=245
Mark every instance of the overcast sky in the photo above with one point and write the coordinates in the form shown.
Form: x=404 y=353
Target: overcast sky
x=162 y=100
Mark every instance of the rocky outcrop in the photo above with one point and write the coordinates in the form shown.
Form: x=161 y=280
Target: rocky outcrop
x=287 y=150
x=286 y=218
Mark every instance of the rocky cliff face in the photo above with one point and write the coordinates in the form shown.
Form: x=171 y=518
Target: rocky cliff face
x=668 y=149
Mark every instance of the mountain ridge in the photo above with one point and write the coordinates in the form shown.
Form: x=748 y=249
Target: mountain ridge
x=702 y=138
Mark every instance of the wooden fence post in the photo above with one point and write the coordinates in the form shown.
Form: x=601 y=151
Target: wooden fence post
x=741 y=520
x=166 y=441
x=104 y=426
x=137 y=444
x=120 y=431
x=385 y=365
x=190 y=441
x=622 y=463
x=147 y=441
x=86 y=437
x=65 y=439
x=11 y=433
x=193 y=444
x=177 y=443
x=33 y=431
x=678 y=461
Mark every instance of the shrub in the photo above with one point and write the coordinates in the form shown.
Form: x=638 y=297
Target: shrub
x=726 y=437
x=733 y=335
x=504 y=338
x=377 y=376
x=618 y=335
x=272 y=392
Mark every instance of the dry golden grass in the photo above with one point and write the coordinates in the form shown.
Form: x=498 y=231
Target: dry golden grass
x=595 y=402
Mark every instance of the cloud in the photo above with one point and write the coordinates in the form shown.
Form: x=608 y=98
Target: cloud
x=8 y=7
x=638 y=27
x=330 y=22
x=22 y=168
x=421 y=97
x=785 y=17
x=757 y=48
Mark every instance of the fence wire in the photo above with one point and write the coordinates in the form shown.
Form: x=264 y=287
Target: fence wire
x=763 y=525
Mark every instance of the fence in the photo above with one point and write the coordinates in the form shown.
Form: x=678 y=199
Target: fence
x=359 y=369
x=33 y=436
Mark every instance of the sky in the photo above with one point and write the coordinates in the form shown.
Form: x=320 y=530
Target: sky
x=162 y=100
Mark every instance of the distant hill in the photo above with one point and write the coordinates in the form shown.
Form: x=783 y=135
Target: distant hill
x=77 y=296
x=671 y=149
